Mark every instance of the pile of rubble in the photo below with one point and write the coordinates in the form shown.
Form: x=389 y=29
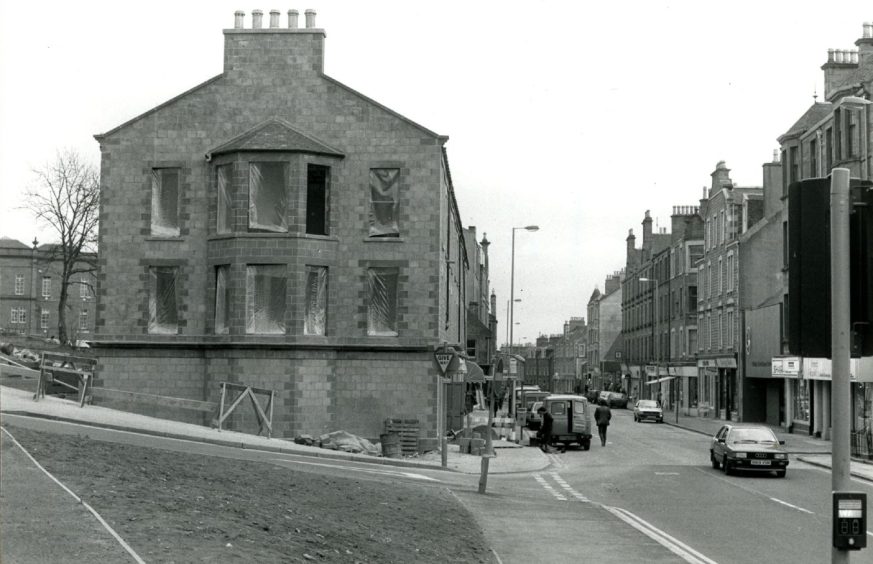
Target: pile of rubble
x=342 y=441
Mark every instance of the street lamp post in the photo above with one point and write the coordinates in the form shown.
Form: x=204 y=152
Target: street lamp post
x=512 y=317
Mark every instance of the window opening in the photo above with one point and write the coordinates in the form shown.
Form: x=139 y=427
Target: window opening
x=46 y=287
x=19 y=284
x=83 y=321
x=315 y=320
x=265 y=299
x=382 y=302
x=384 y=202
x=44 y=319
x=163 y=305
x=224 y=210
x=222 y=300
x=165 y=202
x=267 y=198
x=317 y=199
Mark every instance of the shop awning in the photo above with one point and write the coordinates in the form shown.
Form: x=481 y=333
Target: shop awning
x=659 y=380
x=474 y=373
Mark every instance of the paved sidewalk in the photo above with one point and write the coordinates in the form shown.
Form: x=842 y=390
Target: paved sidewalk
x=510 y=457
x=803 y=447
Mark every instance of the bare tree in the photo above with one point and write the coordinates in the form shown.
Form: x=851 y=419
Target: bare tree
x=67 y=198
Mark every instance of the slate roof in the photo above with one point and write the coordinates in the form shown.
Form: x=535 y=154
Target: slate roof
x=817 y=112
x=276 y=135
x=9 y=243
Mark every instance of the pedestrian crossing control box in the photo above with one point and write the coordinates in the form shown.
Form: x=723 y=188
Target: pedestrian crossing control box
x=850 y=520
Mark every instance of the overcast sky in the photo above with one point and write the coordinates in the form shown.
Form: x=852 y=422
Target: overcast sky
x=574 y=116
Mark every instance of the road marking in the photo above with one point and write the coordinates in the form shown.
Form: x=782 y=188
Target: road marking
x=542 y=481
x=869 y=533
x=117 y=537
x=666 y=473
x=557 y=478
x=792 y=506
x=672 y=544
x=410 y=475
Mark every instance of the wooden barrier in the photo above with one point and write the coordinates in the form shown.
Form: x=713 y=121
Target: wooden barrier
x=264 y=415
x=152 y=399
x=55 y=368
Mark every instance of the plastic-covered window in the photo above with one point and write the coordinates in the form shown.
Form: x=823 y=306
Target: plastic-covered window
x=165 y=202
x=222 y=299
x=267 y=199
x=384 y=202
x=315 y=320
x=265 y=299
x=382 y=302
x=163 y=309
x=225 y=203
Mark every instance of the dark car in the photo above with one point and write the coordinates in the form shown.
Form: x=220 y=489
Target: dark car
x=533 y=420
x=617 y=399
x=754 y=448
x=648 y=409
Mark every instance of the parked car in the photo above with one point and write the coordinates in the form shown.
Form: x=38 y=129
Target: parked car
x=617 y=399
x=533 y=419
x=748 y=447
x=648 y=409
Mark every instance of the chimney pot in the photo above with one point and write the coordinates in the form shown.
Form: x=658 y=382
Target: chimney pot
x=238 y=18
x=274 y=18
x=257 y=18
x=292 y=19
x=310 y=19
x=830 y=55
x=868 y=30
x=855 y=56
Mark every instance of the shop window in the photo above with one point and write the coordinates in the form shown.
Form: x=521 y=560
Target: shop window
x=163 y=303
x=801 y=400
x=382 y=302
x=317 y=199
x=165 y=202
x=384 y=202
x=224 y=210
x=315 y=316
x=222 y=299
x=267 y=196
x=265 y=298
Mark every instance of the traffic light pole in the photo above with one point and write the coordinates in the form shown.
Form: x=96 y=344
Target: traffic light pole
x=840 y=340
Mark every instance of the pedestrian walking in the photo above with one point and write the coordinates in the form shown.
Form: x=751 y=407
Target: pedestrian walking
x=545 y=433
x=602 y=415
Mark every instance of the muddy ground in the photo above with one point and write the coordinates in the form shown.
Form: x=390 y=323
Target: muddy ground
x=173 y=507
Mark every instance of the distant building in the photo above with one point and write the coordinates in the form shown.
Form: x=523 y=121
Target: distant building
x=30 y=289
x=605 y=345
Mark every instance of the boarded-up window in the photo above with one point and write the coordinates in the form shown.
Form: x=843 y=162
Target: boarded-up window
x=317 y=199
x=165 y=202
x=222 y=299
x=382 y=302
x=384 y=202
x=163 y=308
x=315 y=321
x=265 y=299
x=225 y=203
x=267 y=197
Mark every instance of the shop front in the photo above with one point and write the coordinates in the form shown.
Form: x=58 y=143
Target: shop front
x=718 y=387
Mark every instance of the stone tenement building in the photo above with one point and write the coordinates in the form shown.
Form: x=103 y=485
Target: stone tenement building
x=275 y=228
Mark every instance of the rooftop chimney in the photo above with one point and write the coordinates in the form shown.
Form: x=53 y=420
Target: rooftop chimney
x=841 y=65
x=274 y=19
x=310 y=19
x=292 y=19
x=286 y=53
x=647 y=231
x=257 y=17
x=238 y=19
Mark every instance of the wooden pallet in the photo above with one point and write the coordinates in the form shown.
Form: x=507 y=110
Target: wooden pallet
x=407 y=430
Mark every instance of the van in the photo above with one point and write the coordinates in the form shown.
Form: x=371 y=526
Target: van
x=573 y=419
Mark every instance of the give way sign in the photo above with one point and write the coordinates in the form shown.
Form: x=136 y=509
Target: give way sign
x=443 y=359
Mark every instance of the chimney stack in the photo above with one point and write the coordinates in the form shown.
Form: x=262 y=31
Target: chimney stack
x=238 y=19
x=292 y=19
x=647 y=231
x=274 y=19
x=257 y=17
x=310 y=19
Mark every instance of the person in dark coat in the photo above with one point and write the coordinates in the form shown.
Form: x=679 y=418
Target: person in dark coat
x=602 y=415
x=545 y=434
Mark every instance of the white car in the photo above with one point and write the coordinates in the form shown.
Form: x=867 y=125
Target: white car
x=648 y=409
